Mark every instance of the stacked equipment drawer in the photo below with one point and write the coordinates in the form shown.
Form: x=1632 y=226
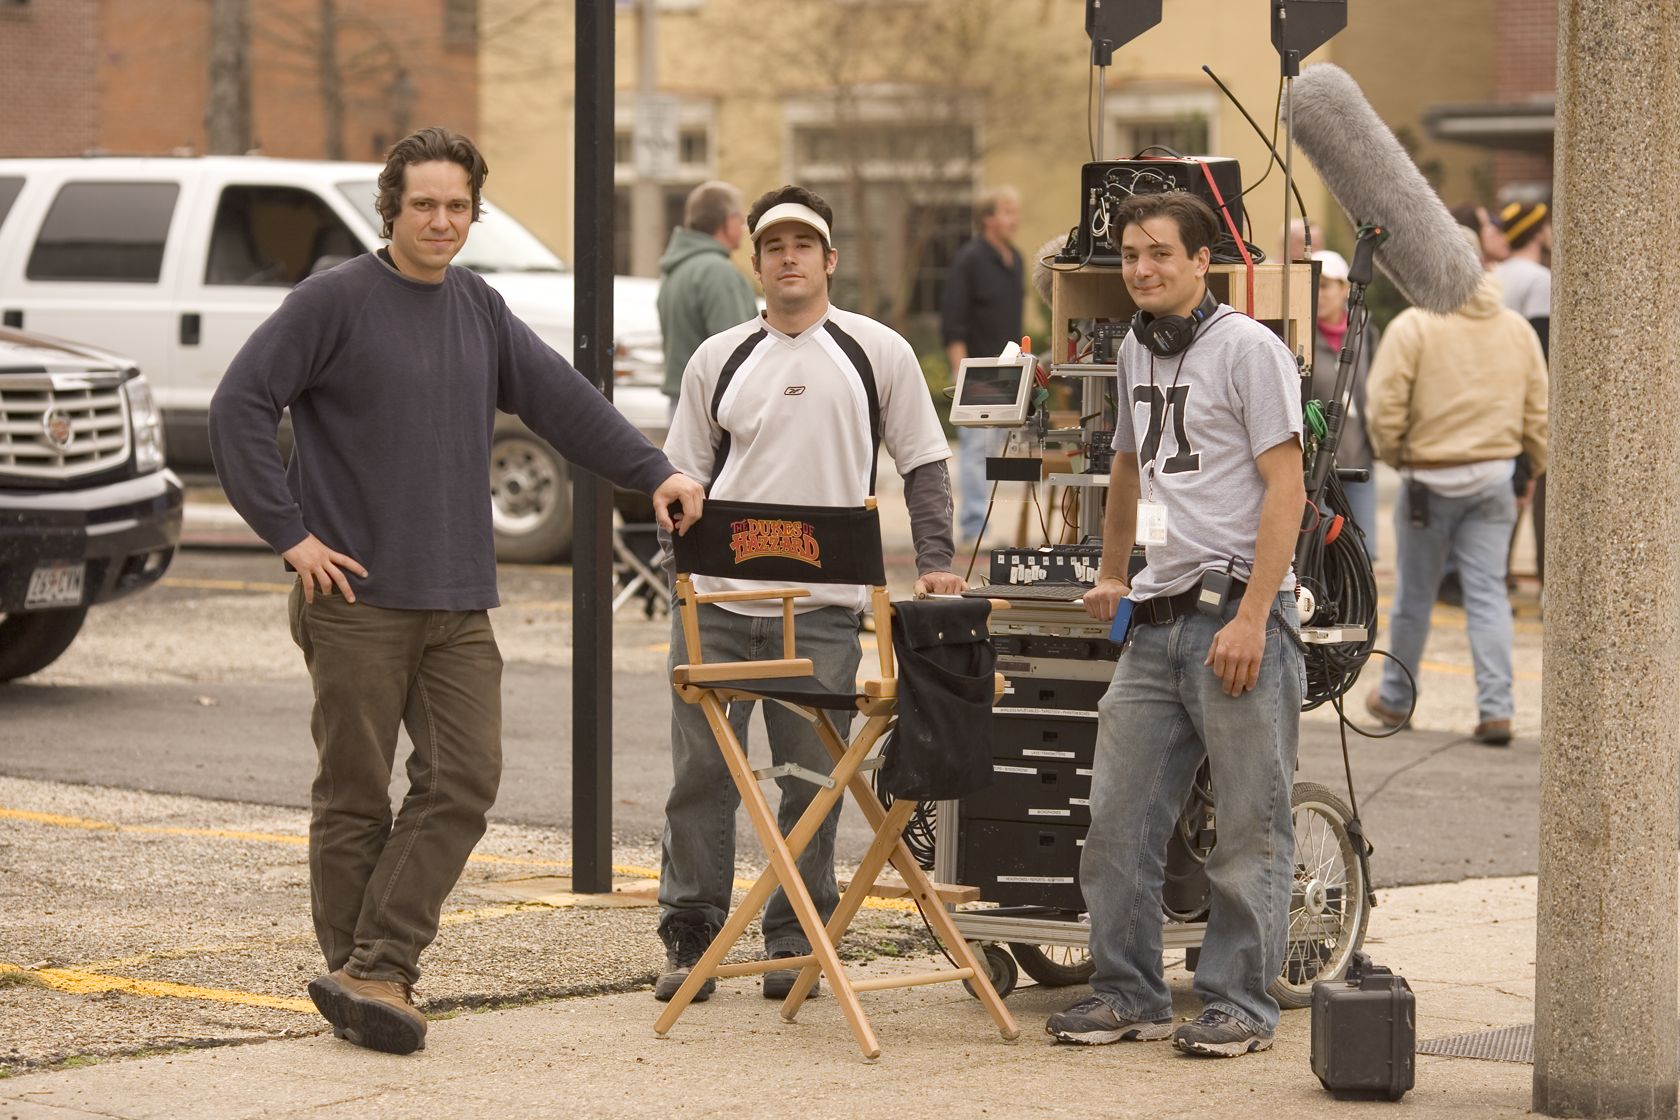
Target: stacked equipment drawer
x=1019 y=840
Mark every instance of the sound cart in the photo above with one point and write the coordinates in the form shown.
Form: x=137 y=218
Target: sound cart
x=1019 y=840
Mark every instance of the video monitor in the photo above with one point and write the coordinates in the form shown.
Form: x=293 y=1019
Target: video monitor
x=993 y=392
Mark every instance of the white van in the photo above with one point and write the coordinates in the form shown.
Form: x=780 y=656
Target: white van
x=174 y=261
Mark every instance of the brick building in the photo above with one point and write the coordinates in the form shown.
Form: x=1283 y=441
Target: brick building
x=117 y=76
x=48 y=56
x=1517 y=125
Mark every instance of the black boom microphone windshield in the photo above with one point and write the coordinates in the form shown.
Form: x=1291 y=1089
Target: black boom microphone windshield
x=1376 y=183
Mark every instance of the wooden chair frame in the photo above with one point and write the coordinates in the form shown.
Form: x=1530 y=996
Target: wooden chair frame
x=877 y=702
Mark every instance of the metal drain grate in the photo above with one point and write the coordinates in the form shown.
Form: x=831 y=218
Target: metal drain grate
x=1501 y=1044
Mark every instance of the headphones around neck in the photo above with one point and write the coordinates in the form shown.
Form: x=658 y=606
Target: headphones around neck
x=1166 y=335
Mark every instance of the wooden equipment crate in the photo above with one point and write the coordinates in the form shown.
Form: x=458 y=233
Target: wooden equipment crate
x=1100 y=293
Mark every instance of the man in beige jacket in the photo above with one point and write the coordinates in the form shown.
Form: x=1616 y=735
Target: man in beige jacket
x=1452 y=400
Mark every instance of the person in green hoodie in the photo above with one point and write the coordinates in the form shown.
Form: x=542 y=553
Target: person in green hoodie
x=700 y=291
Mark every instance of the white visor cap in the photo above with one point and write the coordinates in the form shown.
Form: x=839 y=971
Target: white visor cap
x=791 y=212
x=1335 y=266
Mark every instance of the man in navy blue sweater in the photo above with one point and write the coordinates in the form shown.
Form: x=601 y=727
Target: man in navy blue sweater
x=393 y=366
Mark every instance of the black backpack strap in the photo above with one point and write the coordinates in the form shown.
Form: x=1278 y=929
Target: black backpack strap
x=733 y=363
x=866 y=373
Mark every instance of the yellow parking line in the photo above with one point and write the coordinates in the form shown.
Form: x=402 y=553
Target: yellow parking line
x=79 y=982
x=60 y=821
x=1443 y=615
x=1466 y=670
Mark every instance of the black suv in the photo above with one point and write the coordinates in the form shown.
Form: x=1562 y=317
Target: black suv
x=87 y=511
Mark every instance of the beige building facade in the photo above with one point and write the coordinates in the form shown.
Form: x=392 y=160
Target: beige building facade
x=902 y=111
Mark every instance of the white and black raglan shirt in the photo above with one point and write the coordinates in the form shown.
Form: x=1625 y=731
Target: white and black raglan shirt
x=1196 y=430
x=770 y=417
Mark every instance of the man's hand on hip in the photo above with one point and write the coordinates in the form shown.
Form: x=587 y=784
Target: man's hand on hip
x=687 y=493
x=1235 y=654
x=322 y=568
x=1104 y=599
x=940 y=583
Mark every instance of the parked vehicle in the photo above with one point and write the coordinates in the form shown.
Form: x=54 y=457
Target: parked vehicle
x=88 y=512
x=175 y=261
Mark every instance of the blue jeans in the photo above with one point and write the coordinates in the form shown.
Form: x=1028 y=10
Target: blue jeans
x=1163 y=713
x=697 y=863
x=973 y=491
x=1476 y=532
x=1362 y=505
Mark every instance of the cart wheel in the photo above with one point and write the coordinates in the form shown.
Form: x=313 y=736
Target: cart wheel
x=1000 y=964
x=1328 y=906
x=1054 y=966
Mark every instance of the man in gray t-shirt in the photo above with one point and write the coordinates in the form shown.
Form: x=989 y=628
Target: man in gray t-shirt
x=1207 y=475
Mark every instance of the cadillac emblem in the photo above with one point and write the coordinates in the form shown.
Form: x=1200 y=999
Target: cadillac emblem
x=56 y=424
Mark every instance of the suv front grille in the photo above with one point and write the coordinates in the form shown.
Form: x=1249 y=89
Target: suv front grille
x=61 y=426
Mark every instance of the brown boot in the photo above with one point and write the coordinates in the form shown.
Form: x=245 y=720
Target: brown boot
x=378 y=1014
x=1390 y=719
x=1493 y=732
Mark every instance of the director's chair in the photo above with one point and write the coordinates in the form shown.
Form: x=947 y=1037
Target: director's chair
x=807 y=545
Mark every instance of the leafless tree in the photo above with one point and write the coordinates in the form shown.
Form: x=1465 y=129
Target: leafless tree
x=919 y=96
x=227 y=113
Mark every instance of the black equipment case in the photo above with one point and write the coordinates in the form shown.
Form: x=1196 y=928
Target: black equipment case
x=1364 y=1033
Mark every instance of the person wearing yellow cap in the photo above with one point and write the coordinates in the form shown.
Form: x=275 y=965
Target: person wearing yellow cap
x=1528 y=291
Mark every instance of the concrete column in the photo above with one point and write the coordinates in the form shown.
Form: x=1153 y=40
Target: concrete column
x=1607 y=1036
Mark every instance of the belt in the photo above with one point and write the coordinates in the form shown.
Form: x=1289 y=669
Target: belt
x=1166 y=609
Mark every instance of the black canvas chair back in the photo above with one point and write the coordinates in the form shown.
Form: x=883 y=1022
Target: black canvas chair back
x=784 y=544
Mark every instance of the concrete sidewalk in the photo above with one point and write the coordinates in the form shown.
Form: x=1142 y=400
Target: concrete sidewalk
x=1466 y=948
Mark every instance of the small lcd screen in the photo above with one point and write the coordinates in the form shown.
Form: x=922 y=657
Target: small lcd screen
x=983 y=385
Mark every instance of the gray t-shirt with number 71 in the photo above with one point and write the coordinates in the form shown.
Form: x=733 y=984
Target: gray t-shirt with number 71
x=1197 y=421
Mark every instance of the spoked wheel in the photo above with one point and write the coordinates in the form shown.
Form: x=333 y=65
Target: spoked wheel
x=1054 y=966
x=1328 y=906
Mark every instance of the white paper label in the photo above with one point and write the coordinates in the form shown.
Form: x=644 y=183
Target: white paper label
x=1035 y=879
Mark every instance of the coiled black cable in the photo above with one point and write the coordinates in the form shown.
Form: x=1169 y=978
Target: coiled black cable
x=1338 y=573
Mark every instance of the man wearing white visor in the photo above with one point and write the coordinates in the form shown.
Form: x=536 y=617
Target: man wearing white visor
x=790 y=407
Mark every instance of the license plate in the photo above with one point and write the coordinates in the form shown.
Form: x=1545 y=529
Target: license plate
x=55 y=585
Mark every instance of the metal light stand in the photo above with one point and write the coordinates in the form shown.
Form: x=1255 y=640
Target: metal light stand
x=1299 y=27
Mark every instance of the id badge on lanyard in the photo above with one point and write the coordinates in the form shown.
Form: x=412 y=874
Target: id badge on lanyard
x=1151 y=515
x=1151 y=522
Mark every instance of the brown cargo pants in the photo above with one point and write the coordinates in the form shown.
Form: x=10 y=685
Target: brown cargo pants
x=377 y=886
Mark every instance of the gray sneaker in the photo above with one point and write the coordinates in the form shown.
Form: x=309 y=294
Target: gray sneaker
x=1215 y=1034
x=1091 y=1022
x=686 y=940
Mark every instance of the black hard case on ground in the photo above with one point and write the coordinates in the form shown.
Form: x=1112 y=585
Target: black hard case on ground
x=1364 y=1033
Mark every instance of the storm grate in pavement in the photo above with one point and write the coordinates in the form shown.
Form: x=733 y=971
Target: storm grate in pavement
x=1501 y=1044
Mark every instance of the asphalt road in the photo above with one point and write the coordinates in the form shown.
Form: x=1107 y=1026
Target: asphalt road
x=195 y=688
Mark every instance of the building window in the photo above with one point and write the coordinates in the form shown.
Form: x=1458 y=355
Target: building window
x=1145 y=120
x=693 y=162
x=900 y=178
x=694 y=147
x=105 y=232
x=621 y=231
x=460 y=24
